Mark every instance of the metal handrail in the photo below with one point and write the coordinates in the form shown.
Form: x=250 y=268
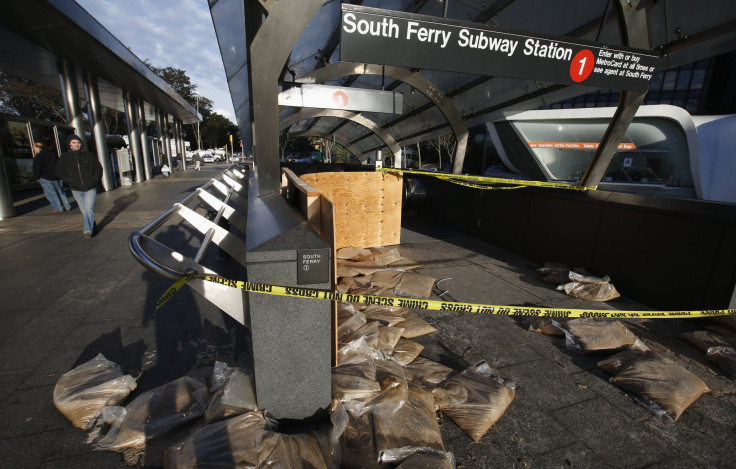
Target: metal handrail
x=140 y=242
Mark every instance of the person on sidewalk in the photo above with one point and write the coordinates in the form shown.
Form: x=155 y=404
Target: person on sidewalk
x=82 y=171
x=44 y=161
x=197 y=161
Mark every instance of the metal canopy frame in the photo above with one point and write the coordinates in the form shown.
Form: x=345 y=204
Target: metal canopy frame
x=301 y=40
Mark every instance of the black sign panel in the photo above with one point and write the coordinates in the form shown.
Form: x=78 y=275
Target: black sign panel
x=386 y=37
x=313 y=266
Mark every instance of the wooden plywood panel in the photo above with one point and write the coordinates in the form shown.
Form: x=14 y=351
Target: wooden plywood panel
x=367 y=206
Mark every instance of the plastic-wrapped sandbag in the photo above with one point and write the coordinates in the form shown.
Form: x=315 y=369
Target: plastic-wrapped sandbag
x=545 y=326
x=555 y=272
x=387 y=315
x=413 y=457
x=426 y=373
x=405 y=351
x=351 y=252
x=590 y=288
x=357 y=441
x=357 y=351
x=724 y=358
x=414 y=326
x=666 y=383
x=474 y=399
x=415 y=285
x=414 y=424
x=247 y=440
x=394 y=389
x=349 y=320
x=725 y=321
x=386 y=279
x=156 y=412
x=590 y=335
x=235 y=397
x=703 y=340
x=82 y=393
x=355 y=381
x=388 y=337
x=368 y=330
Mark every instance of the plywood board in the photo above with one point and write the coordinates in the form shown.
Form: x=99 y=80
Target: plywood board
x=367 y=206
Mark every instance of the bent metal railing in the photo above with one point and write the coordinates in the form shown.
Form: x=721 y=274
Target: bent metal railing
x=232 y=186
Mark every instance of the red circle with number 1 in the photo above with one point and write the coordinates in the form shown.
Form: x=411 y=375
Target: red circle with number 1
x=582 y=65
x=340 y=98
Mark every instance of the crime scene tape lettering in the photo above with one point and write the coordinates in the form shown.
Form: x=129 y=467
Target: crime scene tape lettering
x=481 y=182
x=435 y=305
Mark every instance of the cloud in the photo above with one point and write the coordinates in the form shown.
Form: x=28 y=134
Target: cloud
x=170 y=34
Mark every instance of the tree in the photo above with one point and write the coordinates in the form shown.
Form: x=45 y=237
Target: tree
x=23 y=97
x=445 y=141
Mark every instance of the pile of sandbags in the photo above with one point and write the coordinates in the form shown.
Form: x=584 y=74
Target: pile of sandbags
x=662 y=386
x=385 y=394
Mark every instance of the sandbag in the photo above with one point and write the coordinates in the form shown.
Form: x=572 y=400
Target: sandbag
x=388 y=337
x=418 y=457
x=414 y=326
x=415 y=285
x=659 y=379
x=588 y=335
x=82 y=393
x=354 y=381
x=405 y=351
x=546 y=326
x=426 y=373
x=236 y=396
x=474 y=399
x=414 y=424
x=248 y=440
x=703 y=340
x=724 y=358
x=154 y=413
x=590 y=288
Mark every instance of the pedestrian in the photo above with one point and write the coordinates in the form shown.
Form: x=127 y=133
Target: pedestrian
x=165 y=170
x=81 y=171
x=197 y=161
x=43 y=167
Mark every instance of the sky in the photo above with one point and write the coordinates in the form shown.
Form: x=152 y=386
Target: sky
x=169 y=33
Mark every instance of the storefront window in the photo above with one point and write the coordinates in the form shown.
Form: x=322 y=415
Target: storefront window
x=16 y=152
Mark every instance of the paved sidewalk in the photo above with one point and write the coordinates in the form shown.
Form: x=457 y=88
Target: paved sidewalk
x=66 y=298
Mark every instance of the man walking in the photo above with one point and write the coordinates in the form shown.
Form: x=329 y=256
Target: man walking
x=43 y=167
x=82 y=171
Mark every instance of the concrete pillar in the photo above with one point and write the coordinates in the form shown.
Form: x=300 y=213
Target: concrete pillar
x=134 y=138
x=70 y=95
x=94 y=111
x=143 y=129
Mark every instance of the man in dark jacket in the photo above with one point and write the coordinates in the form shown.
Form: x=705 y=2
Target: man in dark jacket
x=82 y=171
x=43 y=167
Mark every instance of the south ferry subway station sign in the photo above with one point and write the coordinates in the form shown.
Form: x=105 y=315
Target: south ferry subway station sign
x=387 y=37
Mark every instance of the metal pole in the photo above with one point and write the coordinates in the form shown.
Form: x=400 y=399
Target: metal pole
x=143 y=128
x=134 y=138
x=199 y=139
x=94 y=111
x=68 y=78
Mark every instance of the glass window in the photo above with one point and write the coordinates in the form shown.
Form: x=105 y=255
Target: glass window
x=657 y=151
x=683 y=79
x=670 y=78
x=15 y=147
x=656 y=83
x=44 y=133
x=698 y=80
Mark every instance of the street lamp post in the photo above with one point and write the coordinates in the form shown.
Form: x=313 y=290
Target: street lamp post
x=199 y=140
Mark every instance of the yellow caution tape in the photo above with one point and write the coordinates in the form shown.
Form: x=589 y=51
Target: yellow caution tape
x=435 y=305
x=465 y=180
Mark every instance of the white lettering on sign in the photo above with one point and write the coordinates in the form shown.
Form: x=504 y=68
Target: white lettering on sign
x=550 y=51
x=385 y=27
x=427 y=34
x=481 y=41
